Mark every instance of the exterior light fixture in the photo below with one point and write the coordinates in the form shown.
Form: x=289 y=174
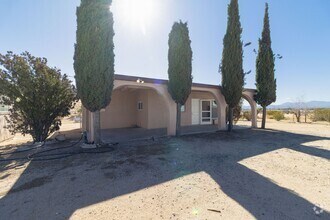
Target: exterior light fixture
x=139 y=81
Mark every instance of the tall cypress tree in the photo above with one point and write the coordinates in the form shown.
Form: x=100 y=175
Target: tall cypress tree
x=94 y=58
x=232 y=61
x=179 y=67
x=265 y=69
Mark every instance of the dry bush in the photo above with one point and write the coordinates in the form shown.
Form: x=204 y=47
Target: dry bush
x=321 y=115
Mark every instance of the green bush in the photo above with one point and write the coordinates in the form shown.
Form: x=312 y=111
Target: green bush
x=38 y=95
x=271 y=113
x=321 y=115
x=247 y=115
x=275 y=114
x=278 y=115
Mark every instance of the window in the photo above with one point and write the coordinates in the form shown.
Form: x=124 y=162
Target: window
x=183 y=108
x=214 y=109
x=214 y=104
x=140 y=105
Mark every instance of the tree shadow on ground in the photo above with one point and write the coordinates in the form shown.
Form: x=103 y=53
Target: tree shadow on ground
x=56 y=189
x=10 y=152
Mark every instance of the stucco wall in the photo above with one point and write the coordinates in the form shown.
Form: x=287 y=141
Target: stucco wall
x=186 y=115
x=4 y=133
x=157 y=111
x=142 y=115
x=121 y=112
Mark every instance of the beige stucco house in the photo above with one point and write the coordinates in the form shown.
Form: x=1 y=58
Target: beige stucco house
x=146 y=103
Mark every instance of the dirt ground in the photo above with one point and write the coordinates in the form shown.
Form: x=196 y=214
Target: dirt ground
x=279 y=173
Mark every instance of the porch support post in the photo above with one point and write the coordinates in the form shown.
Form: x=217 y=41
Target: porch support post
x=222 y=124
x=249 y=96
x=222 y=118
x=254 y=114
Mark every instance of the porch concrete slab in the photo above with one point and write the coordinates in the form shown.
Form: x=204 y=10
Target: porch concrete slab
x=194 y=129
x=129 y=134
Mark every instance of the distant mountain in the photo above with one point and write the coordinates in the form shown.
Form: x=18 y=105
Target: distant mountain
x=286 y=105
x=311 y=104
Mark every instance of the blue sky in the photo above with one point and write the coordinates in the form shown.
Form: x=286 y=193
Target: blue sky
x=300 y=33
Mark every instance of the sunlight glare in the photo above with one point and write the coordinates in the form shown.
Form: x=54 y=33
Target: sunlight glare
x=135 y=13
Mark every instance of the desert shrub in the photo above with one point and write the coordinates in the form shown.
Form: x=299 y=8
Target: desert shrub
x=270 y=113
x=278 y=115
x=247 y=115
x=321 y=115
x=38 y=95
x=275 y=114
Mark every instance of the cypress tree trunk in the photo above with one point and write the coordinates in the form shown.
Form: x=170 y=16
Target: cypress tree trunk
x=264 y=114
x=178 y=119
x=97 y=127
x=230 y=119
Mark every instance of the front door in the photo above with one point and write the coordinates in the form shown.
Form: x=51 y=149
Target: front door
x=206 y=112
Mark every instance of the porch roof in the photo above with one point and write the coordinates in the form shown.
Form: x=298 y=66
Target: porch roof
x=164 y=81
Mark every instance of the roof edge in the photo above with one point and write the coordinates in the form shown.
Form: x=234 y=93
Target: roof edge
x=165 y=81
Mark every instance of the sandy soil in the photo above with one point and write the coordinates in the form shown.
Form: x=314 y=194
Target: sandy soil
x=69 y=128
x=280 y=173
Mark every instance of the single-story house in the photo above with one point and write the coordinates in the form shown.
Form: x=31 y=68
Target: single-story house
x=146 y=103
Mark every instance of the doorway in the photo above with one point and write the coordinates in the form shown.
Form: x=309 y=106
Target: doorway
x=206 y=111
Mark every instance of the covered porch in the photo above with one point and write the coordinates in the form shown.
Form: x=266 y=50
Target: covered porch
x=117 y=135
x=143 y=108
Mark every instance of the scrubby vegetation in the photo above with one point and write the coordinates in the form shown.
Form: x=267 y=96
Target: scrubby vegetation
x=247 y=115
x=321 y=115
x=310 y=115
x=270 y=113
x=277 y=115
